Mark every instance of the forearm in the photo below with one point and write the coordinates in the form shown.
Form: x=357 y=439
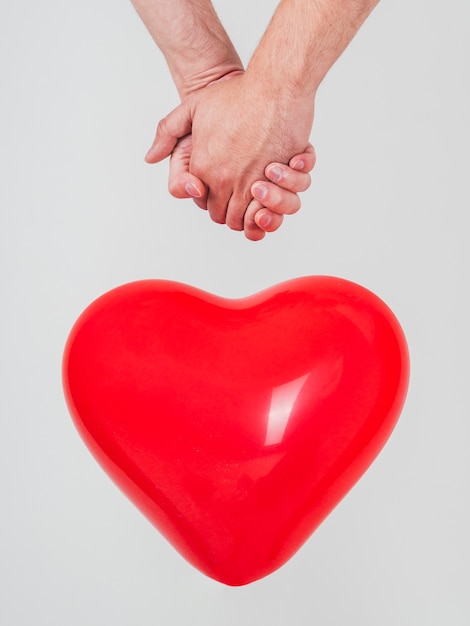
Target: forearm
x=192 y=39
x=302 y=42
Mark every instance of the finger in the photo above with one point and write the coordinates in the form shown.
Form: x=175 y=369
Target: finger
x=219 y=195
x=294 y=177
x=181 y=183
x=259 y=220
x=217 y=203
x=275 y=198
x=304 y=162
x=234 y=216
x=252 y=231
x=267 y=220
x=287 y=178
x=174 y=126
x=236 y=209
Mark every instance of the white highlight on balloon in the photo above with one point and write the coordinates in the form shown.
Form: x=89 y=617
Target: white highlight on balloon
x=282 y=402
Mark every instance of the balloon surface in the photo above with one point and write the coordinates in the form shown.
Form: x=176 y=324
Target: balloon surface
x=236 y=426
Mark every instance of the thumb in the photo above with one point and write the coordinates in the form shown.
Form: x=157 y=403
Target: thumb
x=175 y=125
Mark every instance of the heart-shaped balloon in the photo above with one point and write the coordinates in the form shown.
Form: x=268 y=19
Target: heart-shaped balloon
x=236 y=426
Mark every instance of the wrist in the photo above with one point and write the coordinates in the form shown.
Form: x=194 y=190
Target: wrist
x=202 y=78
x=280 y=83
x=284 y=62
x=303 y=41
x=192 y=39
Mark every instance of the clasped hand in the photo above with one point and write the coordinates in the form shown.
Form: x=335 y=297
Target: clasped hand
x=231 y=145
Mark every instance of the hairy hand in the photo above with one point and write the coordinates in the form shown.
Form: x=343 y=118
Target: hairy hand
x=280 y=189
x=236 y=129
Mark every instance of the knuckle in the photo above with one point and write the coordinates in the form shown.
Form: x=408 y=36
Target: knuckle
x=217 y=215
x=251 y=211
x=222 y=180
x=234 y=223
x=254 y=234
x=218 y=219
x=284 y=203
x=276 y=201
x=162 y=127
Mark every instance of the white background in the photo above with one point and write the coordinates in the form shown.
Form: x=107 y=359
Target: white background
x=82 y=88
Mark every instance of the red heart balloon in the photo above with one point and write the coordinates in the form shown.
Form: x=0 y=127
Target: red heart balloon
x=236 y=426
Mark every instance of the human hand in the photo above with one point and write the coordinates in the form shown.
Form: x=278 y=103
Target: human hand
x=283 y=184
x=237 y=128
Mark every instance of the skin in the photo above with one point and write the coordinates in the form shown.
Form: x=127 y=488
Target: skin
x=199 y=53
x=282 y=182
x=235 y=130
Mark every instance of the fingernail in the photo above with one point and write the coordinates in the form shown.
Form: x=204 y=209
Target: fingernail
x=265 y=220
x=192 y=190
x=275 y=173
x=260 y=192
x=299 y=165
